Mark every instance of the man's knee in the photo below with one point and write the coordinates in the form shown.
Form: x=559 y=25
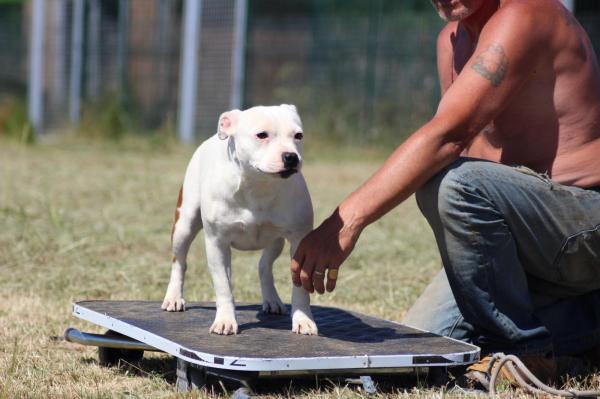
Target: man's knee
x=445 y=191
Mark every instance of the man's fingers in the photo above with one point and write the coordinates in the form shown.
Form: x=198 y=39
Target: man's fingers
x=330 y=285
x=297 y=262
x=295 y=268
x=332 y=275
x=318 y=277
x=306 y=273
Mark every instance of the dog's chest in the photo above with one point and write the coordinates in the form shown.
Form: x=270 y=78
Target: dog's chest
x=250 y=230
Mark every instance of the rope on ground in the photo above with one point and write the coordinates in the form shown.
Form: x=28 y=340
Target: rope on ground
x=517 y=369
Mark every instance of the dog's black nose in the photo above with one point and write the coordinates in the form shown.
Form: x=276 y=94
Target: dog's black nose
x=290 y=160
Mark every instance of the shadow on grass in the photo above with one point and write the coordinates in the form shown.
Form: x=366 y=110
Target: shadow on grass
x=165 y=367
x=436 y=380
x=157 y=366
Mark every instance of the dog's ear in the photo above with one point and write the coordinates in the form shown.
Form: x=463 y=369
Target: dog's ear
x=228 y=123
x=291 y=107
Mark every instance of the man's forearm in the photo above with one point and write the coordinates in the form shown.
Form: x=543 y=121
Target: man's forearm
x=418 y=159
x=412 y=164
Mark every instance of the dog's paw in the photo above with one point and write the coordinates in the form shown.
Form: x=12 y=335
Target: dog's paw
x=302 y=324
x=224 y=326
x=274 y=306
x=173 y=304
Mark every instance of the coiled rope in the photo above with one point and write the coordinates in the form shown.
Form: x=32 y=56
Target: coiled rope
x=517 y=369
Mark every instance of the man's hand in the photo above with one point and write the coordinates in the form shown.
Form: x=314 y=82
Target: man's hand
x=325 y=248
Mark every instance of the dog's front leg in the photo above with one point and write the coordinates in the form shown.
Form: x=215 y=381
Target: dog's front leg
x=218 y=255
x=302 y=318
x=271 y=300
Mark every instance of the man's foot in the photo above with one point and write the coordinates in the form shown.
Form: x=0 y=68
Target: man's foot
x=542 y=367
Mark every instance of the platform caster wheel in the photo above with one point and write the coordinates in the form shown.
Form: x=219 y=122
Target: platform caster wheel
x=109 y=357
x=366 y=382
x=242 y=393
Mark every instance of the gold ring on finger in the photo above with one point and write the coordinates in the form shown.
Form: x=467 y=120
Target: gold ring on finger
x=332 y=274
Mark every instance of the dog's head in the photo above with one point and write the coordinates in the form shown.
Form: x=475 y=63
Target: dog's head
x=266 y=139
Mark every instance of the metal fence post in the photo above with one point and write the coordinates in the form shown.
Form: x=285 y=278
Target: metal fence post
x=36 y=68
x=122 y=47
x=76 y=61
x=370 y=77
x=93 y=50
x=239 y=51
x=189 y=69
x=164 y=22
x=59 y=59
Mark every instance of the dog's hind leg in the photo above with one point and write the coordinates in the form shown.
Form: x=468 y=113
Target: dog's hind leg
x=186 y=226
x=271 y=301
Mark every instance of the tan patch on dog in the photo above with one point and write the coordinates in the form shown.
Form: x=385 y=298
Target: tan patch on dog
x=179 y=200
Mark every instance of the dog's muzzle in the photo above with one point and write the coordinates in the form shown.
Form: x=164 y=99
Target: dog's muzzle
x=290 y=163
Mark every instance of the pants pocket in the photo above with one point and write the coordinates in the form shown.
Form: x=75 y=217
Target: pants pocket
x=541 y=176
x=578 y=261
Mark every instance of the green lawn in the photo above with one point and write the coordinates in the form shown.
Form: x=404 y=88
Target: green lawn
x=90 y=221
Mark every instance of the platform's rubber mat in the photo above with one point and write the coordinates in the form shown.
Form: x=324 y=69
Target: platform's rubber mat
x=341 y=333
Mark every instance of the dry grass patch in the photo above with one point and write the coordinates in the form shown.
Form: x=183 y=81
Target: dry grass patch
x=92 y=221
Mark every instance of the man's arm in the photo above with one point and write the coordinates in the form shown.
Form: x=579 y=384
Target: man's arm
x=503 y=60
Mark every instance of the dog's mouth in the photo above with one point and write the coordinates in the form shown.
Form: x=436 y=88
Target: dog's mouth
x=283 y=174
x=287 y=173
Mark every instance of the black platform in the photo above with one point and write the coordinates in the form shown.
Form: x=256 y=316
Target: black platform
x=265 y=342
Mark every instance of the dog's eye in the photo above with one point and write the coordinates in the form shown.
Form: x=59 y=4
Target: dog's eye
x=298 y=136
x=262 y=135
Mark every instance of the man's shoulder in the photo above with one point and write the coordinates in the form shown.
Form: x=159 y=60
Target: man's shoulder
x=532 y=23
x=448 y=29
x=529 y=22
x=517 y=12
x=530 y=14
x=445 y=35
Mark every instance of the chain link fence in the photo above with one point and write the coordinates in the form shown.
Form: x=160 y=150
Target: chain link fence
x=357 y=70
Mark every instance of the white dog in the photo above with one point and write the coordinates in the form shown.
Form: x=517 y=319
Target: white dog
x=244 y=187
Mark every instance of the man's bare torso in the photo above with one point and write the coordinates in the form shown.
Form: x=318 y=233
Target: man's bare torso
x=553 y=125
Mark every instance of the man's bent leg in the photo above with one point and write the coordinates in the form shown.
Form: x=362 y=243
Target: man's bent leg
x=436 y=311
x=479 y=211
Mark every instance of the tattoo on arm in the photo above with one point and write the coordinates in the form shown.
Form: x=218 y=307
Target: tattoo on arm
x=492 y=64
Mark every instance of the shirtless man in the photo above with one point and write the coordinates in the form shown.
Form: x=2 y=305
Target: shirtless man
x=507 y=173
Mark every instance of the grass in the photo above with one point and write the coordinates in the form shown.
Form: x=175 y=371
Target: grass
x=82 y=220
